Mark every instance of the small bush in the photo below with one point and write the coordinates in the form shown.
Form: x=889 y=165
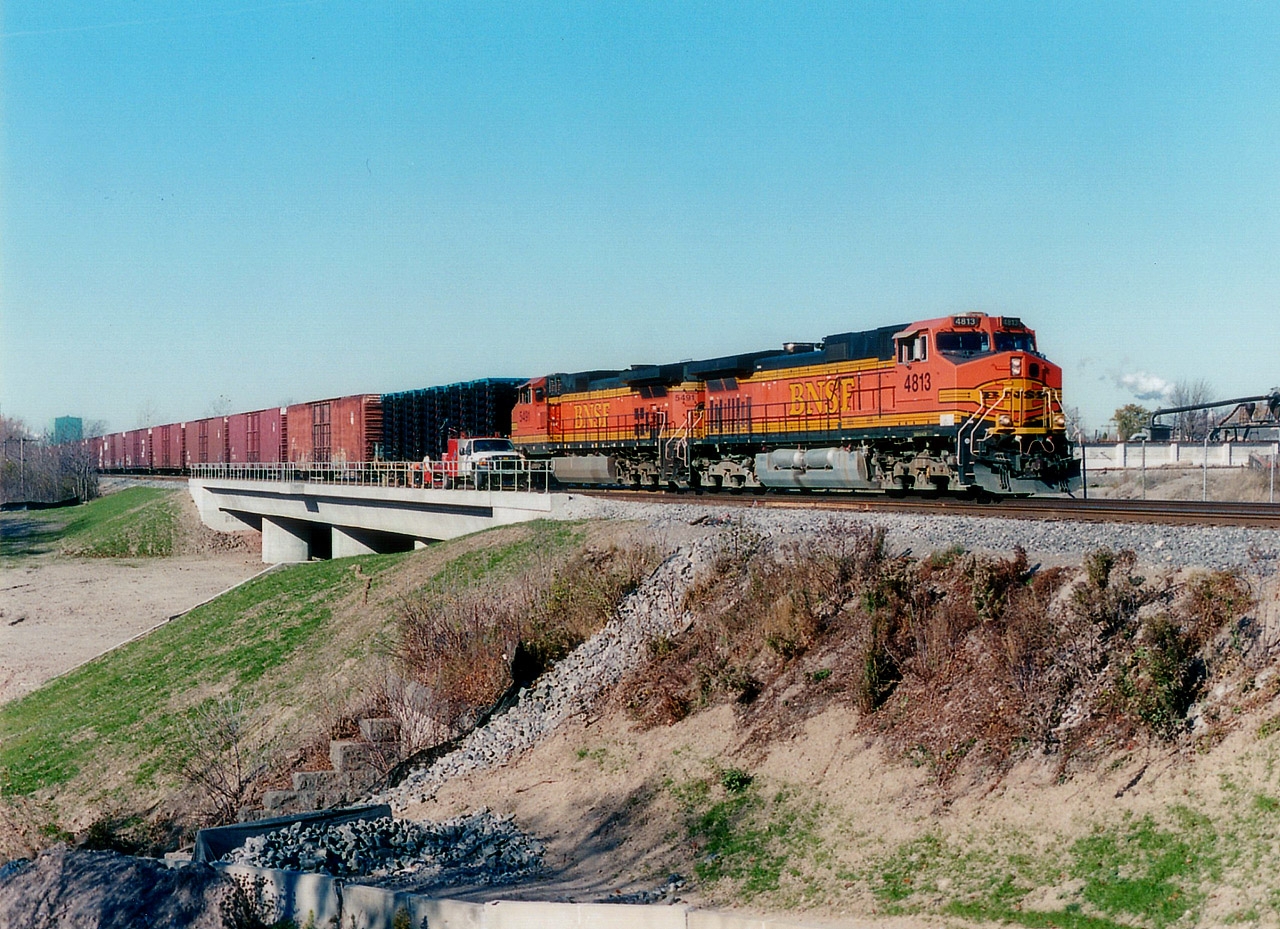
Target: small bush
x=1162 y=678
x=467 y=641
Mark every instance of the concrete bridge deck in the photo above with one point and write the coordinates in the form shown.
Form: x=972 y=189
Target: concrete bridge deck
x=301 y=520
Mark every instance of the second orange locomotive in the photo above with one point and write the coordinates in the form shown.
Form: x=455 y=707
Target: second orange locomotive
x=955 y=403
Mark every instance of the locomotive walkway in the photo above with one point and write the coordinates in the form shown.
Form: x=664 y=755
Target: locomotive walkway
x=339 y=513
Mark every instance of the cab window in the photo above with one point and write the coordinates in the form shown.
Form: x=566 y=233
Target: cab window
x=914 y=348
x=1015 y=342
x=963 y=343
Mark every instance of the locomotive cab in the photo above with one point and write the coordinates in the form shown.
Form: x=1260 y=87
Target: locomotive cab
x=982 y=380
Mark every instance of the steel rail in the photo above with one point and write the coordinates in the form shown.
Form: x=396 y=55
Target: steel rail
x=1153 y=512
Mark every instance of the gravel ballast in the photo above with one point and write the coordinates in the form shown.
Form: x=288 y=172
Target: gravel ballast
x=1048 y=541
x=479 y=848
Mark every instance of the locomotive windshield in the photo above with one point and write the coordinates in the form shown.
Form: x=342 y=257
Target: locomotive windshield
x=963 y=343
x=1015 y=342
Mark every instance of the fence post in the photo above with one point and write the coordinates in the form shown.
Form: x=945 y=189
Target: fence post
x=1204 y=473
x=1144 y=469
x=1084 y=464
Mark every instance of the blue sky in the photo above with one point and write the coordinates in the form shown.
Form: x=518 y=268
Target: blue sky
x=273 y=202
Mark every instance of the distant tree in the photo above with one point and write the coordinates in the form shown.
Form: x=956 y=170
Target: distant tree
x=147 y=416
x=1192 y=425
x=1131 y=419
x=32 y=468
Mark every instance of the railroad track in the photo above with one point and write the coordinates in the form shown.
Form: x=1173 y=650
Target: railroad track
x=1153 y=512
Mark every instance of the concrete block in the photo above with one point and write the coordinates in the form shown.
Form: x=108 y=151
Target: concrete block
x=349 y=756
x=513 y=914
x=380 y=729
x=452 y=914
x=273 y=800
x=281 y=895
x=376 y=908
x=713 y=919
x=322 y=780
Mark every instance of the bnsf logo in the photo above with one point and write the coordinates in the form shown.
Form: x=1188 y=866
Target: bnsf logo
x=811 y=398
x=591 y=415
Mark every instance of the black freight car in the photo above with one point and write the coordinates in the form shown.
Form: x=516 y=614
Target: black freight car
x=417 y=424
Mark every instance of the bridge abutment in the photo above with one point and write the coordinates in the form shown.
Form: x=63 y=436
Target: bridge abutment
x=285 y=541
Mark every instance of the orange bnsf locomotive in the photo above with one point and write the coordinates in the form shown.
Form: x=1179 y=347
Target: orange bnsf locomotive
x=960 y=403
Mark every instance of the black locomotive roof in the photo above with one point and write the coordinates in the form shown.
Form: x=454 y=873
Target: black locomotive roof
x=869 y=343
x=843 y=346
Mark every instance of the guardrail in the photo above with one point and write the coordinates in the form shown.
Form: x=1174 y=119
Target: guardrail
x=509 y=474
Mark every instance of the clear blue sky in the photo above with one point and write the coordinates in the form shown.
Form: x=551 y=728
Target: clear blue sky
x=274 y=202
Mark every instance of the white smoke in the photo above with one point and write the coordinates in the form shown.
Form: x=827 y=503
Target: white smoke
x=1145 y=386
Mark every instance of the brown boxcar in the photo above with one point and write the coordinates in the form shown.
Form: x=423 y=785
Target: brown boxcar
x=340 y=430
x=137 y=449
x=207 y=441
x=107 y=450
x=168 y=447
x=255 y=437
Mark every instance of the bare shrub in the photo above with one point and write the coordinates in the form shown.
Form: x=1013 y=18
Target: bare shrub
x=758 y=607
x=223 y=752
x=464 y=643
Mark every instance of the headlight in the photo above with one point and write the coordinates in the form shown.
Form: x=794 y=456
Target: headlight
x=1005 y=419
x=1015 y=366
x=1060 y=422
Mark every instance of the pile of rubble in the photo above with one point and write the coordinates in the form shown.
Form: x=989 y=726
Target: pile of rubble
x=479 y=848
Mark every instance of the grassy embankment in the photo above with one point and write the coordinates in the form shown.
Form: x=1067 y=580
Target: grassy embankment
x=289 y=646
x=138 y=522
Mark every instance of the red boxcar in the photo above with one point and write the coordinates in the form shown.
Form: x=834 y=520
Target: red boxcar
x=168 y=449
x=341 y=430
x=108 y=449
x=137 y=449
x=207 y=441
x=256 y=437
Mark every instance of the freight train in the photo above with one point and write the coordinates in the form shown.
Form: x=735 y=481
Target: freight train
x=961 y=403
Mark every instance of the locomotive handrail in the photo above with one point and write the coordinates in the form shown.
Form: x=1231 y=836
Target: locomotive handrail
x=963 y=442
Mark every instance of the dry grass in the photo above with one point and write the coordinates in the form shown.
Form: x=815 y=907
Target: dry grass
x=464 y=643
x=957 y=659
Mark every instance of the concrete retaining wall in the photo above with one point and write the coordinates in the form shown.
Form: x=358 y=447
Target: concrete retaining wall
x=1176 y=454
x=322 y=901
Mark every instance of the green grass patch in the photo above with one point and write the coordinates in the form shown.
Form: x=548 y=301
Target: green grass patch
x=545 y=537
x=748 y=839
x=23 y=534
x=1146 y=871
x=136 y=697
x=141 y=522
x=1143 y=872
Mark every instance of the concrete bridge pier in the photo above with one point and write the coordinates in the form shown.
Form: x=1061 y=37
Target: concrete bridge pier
x=285 y=540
